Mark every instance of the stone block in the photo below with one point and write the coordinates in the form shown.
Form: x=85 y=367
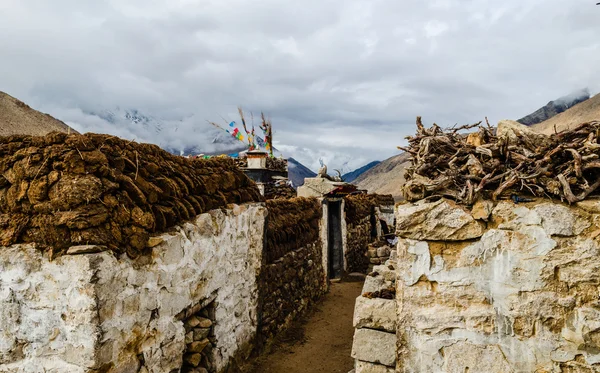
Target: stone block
x=385 y=271
x=383 y=251
x=482 y=210
x=365 y=367
x=193 y=359
x=394 y=255
x=375 y=283
x=560 y=220
x=200 y=333
x=198 y=346
x=375 y=313
x=436 y=221
x=374 y=346
x=204 y=322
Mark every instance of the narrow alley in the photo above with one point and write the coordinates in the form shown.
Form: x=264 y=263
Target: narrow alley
x=321 y=343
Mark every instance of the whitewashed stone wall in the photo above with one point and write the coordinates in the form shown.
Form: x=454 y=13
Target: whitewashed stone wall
x=89 y=312
x=48 y=313
x=499 y=288
x=375 y=319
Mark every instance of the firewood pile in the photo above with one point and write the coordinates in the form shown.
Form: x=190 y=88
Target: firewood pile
x=510 y=161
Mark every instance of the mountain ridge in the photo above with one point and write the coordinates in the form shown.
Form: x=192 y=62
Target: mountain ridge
x=387 y=177
x=555 y=107
x=585 y=111
x=18 y=118
x=353 y=175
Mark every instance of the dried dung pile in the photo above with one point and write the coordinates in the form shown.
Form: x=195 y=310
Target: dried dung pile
x=385 y=199
x=359 y=206
x=279 y=191
x=291 y=224
x=388 y=293
x=511 y=160
x=277 y=164
x=61 y=190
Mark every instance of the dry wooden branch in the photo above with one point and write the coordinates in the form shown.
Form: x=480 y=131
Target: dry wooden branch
x=465 y=168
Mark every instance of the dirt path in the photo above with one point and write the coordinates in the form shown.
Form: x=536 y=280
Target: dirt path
x=321 y=343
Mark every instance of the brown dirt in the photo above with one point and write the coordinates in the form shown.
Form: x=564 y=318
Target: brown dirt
x=322 y=342
x=17 y=118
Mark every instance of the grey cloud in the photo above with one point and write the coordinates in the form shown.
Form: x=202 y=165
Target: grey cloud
x=319 y=68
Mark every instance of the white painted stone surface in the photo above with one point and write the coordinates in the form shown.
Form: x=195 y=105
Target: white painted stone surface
x=324 y=226
x=524 y=297
x=83 y=312
x=48 y=316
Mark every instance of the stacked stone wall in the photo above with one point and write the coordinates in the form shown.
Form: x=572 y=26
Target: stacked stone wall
x=90 y=281
x=94 y=312
x=375 y=318
x=363 y=227
x=501 y=287
x=287 y=288
x=292 y=276
x=359 y=236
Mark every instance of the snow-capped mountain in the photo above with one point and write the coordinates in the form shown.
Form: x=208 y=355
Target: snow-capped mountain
x=190 y=135
x=183 y=136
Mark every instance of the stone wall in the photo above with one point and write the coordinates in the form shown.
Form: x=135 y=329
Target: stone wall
x=291 y=225
x=289 y=283
x=358 y=237
x=287 y=288
x=374 y=345
x=363 y=216
x=502 y=287
x=96 y=312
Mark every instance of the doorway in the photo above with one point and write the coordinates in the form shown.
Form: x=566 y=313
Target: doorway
x=335 y=250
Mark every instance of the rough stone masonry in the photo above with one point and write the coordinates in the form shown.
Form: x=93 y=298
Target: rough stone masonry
x=94 y=312
x=502 y=287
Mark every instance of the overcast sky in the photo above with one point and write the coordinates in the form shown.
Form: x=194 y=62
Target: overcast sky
x=342 y=80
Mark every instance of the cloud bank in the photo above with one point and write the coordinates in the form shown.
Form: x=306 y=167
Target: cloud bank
x=341 y=80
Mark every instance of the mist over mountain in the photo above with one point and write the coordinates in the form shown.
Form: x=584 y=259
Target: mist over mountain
x=180 y=135
x=555 y=107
